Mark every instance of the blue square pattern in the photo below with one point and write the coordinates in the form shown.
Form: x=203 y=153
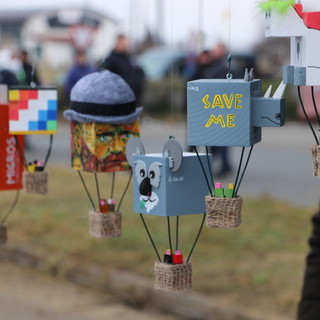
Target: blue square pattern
x=33 y=125
x=43 y=115
x=52 y=104
x=52 y=115
x=42 y=125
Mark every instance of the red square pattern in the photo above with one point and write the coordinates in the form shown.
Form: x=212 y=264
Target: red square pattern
x=33 y=94
x=13 y=115
x=23 y=105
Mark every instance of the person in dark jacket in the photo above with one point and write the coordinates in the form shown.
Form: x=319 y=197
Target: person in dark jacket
x=121 y=63
x=7 y=77
x=309 y=306
x=80 y=69
x=28 y=73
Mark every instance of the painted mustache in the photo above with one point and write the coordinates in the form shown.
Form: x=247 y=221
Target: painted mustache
x=115 y=160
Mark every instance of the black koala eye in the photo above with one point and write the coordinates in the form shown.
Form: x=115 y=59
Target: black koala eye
x=278 y=116
x=142 y=173
x=152 y=174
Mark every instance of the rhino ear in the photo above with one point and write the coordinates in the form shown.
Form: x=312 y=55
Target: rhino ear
x=173 y=151
x=134 y=146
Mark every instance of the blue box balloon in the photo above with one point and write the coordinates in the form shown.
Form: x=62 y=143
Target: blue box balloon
x=224 y=112
x=168 y=193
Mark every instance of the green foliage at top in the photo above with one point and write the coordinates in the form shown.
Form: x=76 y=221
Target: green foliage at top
x=282 y=6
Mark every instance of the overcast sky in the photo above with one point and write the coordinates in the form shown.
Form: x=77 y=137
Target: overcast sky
x=241 y=28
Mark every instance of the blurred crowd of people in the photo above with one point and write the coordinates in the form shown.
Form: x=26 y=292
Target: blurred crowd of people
x=16 y=69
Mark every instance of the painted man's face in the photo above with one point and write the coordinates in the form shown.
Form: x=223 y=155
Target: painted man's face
x=101 y=147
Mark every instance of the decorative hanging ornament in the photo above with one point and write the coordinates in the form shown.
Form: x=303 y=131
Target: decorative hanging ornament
x=33 y=111
x=230 y=112
x=303 y=28
x=168 y=184
x=11 y=168
x=103 y=117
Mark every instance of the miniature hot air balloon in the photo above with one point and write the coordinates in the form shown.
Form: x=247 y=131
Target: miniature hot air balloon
x=33 y=111
x=230 y=112
x=288 y=19
x=103 y=117
x=168 y=184
x=11 y=167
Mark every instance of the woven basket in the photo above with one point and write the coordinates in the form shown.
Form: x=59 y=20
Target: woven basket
x=316 y=159
x=35 y=182
x=105 y=225
x=172 y=277
x=223 y=212
x=3 y=234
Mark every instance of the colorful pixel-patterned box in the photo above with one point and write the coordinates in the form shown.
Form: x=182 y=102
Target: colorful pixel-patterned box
x=32 y=111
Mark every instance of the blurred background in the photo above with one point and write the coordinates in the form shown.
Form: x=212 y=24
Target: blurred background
x=263 y=261
x=166 y=38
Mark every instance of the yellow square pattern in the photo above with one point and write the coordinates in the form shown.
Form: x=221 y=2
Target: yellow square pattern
x=13 y=95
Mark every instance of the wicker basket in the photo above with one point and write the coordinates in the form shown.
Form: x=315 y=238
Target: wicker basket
x=316 y=159
x=3 y=234
x=172 y=277
x=35 y=182
x=105 y=225
x=223 y=212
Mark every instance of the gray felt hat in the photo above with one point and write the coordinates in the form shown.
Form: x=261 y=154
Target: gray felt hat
x=102 y=97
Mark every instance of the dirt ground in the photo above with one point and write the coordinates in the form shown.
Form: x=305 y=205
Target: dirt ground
x=27 y=295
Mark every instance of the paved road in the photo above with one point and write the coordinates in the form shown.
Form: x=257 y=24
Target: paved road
x=26 y=295
x=280 y=165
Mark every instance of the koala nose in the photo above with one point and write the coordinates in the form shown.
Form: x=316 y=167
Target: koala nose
x=145 y=187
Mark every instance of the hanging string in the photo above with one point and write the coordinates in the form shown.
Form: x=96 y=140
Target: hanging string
x=315 y=105
x=97 y=186
x=171 y=71
x=7 y=215
x=20 y=152
x=210 y=168
x=152 y=242
x=33 y=82
x=169 y=234
x=229 y=27
x=49 y=151
x=229 y=74
x=112 y=184
x=244 y=170
x=125 y=191
x=238 y=172
x=306 y=116
x=203 y=170
x=200 y=26
x=197 y=237
x=177 y=233
x=87 y=191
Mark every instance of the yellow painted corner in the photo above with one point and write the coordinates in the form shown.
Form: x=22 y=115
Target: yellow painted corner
x=13 y=95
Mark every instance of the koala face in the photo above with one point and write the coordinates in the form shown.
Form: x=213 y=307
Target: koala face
x=148 y=179
x=148 y=172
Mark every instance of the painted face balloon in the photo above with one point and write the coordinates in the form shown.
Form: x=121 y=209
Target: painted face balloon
x=101 y=147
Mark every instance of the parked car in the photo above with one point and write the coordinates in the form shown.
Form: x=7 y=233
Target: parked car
x=160 y=62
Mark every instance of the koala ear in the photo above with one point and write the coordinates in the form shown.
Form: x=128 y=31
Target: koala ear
x=173 y=150
x=134 y=146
